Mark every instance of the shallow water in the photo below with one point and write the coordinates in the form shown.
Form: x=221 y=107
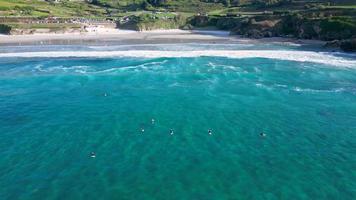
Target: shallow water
x=55 y=111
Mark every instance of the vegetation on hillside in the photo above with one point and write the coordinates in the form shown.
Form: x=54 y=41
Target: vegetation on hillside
x=40 y=8
x=309 y=19
x=5 y=29
x=146 y=21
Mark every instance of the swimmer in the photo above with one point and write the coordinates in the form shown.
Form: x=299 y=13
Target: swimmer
x=263 y=134
x=92 y=154
x=153 y=121
x=210 y=132
x=142 y=130
x=171 y=132
x=105 y=94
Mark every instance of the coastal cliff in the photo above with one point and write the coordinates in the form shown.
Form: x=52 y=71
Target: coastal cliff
x=341 y=31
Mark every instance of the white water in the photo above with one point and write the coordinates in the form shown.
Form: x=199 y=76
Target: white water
x=299 y=56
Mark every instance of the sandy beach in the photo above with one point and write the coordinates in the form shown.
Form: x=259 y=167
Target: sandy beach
x=119 y=36
x=106 y=36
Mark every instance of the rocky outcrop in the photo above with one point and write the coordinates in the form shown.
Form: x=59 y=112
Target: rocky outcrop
x=333 y=44
x=323 y=29
x=188 y=27
x=202 y=21
x=337 y=30
x=253 y=29
x=348 y=45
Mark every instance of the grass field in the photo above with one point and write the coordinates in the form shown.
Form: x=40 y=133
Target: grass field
x=103 y=8
x=161 y=13
x=36 y=8
x=114 y=8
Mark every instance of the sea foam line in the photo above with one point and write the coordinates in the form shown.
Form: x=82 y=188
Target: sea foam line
x=299 y=56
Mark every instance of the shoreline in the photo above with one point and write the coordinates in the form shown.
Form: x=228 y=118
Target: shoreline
x=115 y=36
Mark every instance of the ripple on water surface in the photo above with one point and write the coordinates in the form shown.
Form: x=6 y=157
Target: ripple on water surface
x=281 y=128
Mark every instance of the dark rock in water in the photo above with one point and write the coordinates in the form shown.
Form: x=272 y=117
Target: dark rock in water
x=188 y=27
x=348 y=45
x=268 y=34
x=254 y=33
x=333 y=44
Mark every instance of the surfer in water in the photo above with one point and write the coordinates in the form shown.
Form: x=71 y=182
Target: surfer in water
x=142 y=130
x=153 y=121
x=92 y=154
x=171 y=131
x=210 y=132
x=263 y=134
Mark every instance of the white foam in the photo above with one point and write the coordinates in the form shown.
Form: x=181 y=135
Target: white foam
x=299 y=56
x=298 y=89
x=301 y=90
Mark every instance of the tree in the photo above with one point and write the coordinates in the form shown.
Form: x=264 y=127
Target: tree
x=157 y=2
x=95 y=2
x=227 y=3
x=270 y=2
x=5 y=29
x=146 y=6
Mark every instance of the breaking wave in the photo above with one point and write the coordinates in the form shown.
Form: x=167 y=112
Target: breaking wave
x=336 y=90
x=83 y=69
x=302 y=90
x=327 y=58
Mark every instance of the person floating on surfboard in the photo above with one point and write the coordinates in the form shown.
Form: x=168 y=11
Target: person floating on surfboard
x=210 y=132
x=92 y=154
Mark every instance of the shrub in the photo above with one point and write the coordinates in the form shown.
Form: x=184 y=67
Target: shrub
x=25 y=10
x=337 y=29
x=5 y=29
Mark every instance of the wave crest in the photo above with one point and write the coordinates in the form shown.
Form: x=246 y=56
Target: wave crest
x=299 y=56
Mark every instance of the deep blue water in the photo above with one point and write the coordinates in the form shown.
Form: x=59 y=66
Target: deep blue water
x=55 y=111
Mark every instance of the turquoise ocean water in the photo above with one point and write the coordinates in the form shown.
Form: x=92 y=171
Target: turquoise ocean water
x=56 y=109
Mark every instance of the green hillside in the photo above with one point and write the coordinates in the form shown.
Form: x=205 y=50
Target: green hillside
x=38 y=8
x=308 y=19
x=114 y=8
